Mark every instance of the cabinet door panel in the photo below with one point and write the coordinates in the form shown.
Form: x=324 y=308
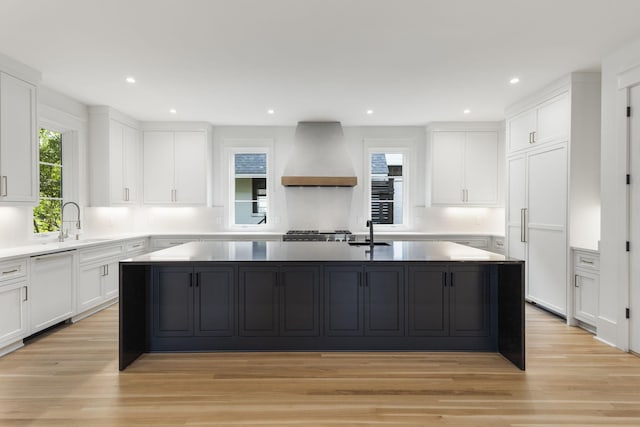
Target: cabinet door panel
x=469 y=288
x=116 y=162
x=553 y=121
x=343 y=301
x=548 y=187
x=111 y=281
x=158 y=167
x=586 y=296
x=516 y=202
x=258 y=301
x=18 y=149
x=447 y=164
x=299 y=301
x=13 y=319
x=428 y=301
x=520 y=129
x=384 y=301
x=548 y=268
x=190 y=168
x=481 y=167
x=173 y=302
x=214 y=310
x=89 y=287
x=51 y=290
x=131 y=149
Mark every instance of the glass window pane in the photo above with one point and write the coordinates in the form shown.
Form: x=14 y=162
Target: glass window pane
x=244 y=214
x=243 y=189
x=251 y=163
x=50 y=147
x=250 y=194
x=50 y=181
x=46 y=216
x=387 y=188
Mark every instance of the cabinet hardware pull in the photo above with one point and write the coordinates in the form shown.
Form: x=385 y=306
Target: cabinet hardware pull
x=466 y=195
x=4 y=190
x=533 y=137
x=523 y=220
x=197 y=280
x=26 y=293
x=586 y=261
x=10 y=271
x=190 y=280
x=462 y=191
x=575 y=283
x=451 y=280
x=444 y=279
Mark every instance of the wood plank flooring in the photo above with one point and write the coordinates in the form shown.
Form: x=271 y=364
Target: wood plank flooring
x=70 y=377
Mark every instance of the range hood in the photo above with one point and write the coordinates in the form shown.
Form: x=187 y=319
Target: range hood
x=319 y=157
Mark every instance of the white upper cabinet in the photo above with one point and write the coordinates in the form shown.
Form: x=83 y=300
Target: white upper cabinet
x=464 y=168
x=18 y=142
x=175 y=167
x=115 y=154
x=548 y=122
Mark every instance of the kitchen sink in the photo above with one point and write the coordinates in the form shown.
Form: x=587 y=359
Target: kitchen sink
x=368 y=244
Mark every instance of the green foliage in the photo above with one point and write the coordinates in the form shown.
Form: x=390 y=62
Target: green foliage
x=46 y=216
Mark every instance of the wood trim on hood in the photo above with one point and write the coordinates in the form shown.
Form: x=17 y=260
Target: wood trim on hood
x=319 y=181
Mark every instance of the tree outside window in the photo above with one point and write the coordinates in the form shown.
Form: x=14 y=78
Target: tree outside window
x=47 y=215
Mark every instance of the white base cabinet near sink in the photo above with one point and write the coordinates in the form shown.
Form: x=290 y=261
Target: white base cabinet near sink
x=51 y=290
x=14 y=305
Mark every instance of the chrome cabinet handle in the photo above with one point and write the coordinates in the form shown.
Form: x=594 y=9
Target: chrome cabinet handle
x=26 y=293
x=4 y=186
x=462 y=191
x=15 y=270
x=523 y=225
x=575 y=283
x=533 y=137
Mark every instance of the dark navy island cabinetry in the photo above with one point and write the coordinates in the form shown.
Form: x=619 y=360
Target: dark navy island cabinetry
x=264 y=296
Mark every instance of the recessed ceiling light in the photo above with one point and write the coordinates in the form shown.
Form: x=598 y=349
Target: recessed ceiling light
x=369 y=112
x=173 y=111
x=130 y=80
x=467 y=111
x=271 y=111
x=514 y=80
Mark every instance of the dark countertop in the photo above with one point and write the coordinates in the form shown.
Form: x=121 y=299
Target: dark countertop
x=277 y=251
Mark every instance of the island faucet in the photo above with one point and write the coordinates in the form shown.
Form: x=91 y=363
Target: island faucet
x=62 y=234
x=370 y=225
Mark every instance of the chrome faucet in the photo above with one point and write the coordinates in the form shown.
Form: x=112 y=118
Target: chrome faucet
x=370 y=225
x=62 y=234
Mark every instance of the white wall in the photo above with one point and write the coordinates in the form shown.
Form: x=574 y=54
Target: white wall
x=614 y=285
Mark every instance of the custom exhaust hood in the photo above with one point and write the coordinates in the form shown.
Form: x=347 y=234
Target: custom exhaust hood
x=319 y=157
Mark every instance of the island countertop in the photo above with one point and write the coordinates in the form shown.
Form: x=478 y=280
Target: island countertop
x=276 y=251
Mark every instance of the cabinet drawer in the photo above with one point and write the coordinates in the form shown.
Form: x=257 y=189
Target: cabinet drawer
x=586 y=260
x=162 y=243
x=100 y=253
x=135 y=246
x=13 y=269
x=476 y=242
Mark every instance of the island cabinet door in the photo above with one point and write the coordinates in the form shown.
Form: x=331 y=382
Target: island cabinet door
x=214 y=305
x=384 y=301
x=258 y=301
x=299 y=301
x=173 y=302
x=428 y=301
x=469 y=293
x=343 y=291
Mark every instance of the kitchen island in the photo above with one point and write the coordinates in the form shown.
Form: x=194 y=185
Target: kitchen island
x=321 y=296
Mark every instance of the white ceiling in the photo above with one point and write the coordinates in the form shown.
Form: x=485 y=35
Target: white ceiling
x=227 y=62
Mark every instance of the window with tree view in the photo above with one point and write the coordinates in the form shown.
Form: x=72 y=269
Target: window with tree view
x=46 y=216
x=387 y=188
x=250 y=188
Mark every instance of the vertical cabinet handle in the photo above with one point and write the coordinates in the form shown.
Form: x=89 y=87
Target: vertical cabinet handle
x=451 y=280
x=197 y=280
x=190 y=280
x=4 y=186
x=523 y=225
x=444 y=279
x=575 y=283
x=462 y=191
x=533 y=137
x=26 y=293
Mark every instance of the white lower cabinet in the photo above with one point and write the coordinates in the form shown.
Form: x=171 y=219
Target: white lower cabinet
x=51 y=293
x=13 y=312
x=98 y=276
x=586 y=282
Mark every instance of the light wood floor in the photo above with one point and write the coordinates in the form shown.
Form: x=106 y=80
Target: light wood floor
x=70 y=377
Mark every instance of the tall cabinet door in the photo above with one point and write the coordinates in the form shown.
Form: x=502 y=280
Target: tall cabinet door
x=116 y=162
x=18 y=140
x=448 y=179
x=158 y=167
x=299 y=301
x=480 y=166
x=190 y=168
x=547 y=231
x=428 y=301
x=384 y=301
x=131 y=150
x=343 y=301
x=516 y=207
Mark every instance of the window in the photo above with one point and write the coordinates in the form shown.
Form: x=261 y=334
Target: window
x=47 y=215
x=387 y=187
x=250 y=197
